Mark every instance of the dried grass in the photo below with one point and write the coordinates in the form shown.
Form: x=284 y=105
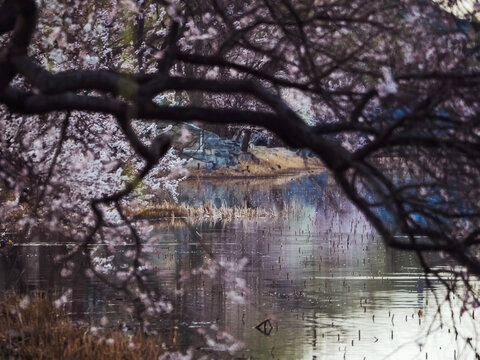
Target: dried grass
x=6 y=195
x=269 y=162
x=286 y=159
x=206 y=212
x=40 y=331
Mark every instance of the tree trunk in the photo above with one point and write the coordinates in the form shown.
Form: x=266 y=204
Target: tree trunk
x=246 y=140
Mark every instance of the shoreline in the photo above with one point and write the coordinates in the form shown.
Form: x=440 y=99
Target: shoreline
x=232 y=175
x=264 y=163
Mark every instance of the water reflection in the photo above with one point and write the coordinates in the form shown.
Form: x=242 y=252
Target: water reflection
x=327 y=285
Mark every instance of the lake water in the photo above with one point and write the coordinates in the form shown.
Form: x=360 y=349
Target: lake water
x=314 y=268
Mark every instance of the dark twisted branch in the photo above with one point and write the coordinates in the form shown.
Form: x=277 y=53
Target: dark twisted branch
x=129 y=96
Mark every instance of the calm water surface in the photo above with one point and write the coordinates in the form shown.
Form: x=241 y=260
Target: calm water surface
x=327 y=284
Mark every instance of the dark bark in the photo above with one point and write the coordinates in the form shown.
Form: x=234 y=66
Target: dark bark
x=246 y=140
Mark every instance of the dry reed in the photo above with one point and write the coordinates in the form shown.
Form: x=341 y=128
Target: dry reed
x=205 y=212
x=37 y=330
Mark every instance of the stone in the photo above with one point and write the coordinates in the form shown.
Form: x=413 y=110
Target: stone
x=214 y=152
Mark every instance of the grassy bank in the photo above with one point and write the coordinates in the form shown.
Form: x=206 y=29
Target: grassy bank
x=267 y=162
x=35 y=329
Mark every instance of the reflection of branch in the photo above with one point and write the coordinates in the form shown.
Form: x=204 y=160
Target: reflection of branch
x=265 y=327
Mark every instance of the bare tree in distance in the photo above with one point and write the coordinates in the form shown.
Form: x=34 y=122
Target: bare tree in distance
x=385 y=93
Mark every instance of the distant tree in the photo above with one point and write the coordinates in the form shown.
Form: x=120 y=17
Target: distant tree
x=386 y=93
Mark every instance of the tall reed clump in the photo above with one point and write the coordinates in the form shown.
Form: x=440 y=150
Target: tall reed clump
x=204 y=212
x=35 y=329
